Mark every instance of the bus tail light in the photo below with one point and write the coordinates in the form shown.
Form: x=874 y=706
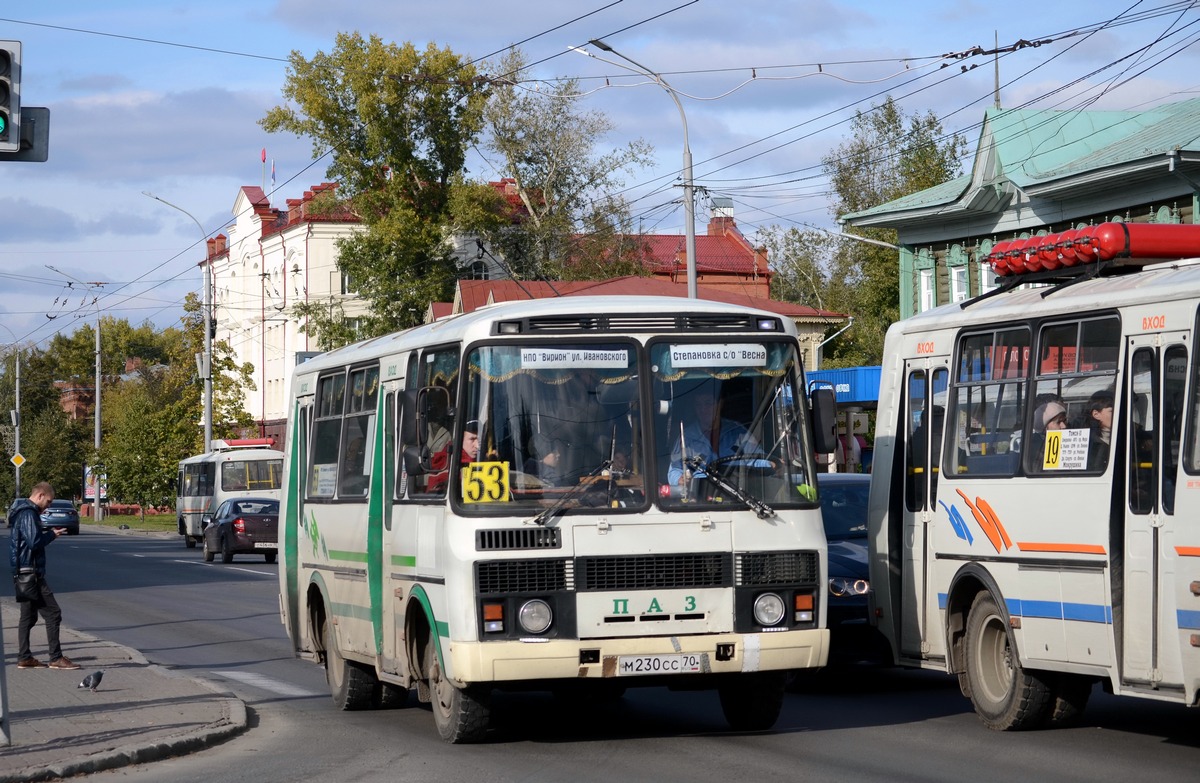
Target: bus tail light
x=493 y=618
x=804 y=607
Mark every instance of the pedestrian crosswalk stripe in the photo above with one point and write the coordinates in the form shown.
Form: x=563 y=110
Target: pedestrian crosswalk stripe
x=268 y=684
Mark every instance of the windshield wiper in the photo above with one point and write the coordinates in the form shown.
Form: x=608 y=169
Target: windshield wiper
x=760 y=508
x=570 y=494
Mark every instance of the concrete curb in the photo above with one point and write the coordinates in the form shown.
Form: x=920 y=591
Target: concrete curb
x=225 y=717
x=127 y=755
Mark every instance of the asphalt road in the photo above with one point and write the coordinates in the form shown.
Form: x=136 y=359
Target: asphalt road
x=221 y=622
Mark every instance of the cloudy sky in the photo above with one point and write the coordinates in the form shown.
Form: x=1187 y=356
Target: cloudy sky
x=164 y=96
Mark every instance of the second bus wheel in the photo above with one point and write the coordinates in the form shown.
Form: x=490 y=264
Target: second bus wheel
x=461 y=714
x=752 y=702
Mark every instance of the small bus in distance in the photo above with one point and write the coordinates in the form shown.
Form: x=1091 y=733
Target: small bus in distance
x=233 y=468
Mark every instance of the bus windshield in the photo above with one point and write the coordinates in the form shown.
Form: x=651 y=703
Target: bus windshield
x=548 y=421
x=727 y=414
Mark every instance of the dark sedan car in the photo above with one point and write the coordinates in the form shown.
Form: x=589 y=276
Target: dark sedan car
x=852 y=637
x=242 y=526
x=61 y=513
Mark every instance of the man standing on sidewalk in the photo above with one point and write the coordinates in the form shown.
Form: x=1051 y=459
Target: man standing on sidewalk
x=28 y=544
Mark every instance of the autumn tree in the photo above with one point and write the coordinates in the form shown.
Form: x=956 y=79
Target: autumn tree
x=396 y=124
x=569 y=225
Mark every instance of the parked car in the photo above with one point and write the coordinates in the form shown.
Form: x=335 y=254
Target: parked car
x=242 y=526
x=61 y=513
x=852 y=637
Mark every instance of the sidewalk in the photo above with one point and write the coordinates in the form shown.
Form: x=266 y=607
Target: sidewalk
x=140 y=713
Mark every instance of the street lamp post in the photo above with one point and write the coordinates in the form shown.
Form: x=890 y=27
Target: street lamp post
x=689 y=207
x=204 y=360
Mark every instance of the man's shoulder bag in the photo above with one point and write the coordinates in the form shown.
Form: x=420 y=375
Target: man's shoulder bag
x=27 y=585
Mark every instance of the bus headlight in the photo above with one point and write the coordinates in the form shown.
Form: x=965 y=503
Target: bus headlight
x=535 y=616
x=768 y=609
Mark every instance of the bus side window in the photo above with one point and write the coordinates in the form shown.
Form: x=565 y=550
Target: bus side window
x=1143 y=431
x=918 y=438
x=1174 y=382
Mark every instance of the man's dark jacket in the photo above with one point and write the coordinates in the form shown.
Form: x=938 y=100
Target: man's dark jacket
x=27 y=541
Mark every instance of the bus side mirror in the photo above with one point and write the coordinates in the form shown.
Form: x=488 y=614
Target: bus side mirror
x=823 y=409
x=433 y=405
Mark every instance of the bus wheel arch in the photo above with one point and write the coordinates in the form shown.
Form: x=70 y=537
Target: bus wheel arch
x=462 y=713
x=969 y=582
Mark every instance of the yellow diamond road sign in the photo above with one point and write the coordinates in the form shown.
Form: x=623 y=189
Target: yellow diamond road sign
x=17 y=460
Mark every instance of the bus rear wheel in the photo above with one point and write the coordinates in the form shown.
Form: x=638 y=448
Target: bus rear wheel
x=1006 y=696
x=352 y=687
x=1071 y=693
x=461 y=714
x=752 y=702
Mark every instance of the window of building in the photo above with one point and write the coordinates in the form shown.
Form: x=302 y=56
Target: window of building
x=928 y=299
x=958 y=283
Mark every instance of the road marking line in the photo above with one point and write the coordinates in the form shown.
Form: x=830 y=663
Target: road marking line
x=227 y=567
x=268 y=684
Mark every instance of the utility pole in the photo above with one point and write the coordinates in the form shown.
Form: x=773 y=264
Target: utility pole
x=16 y=417
x=98 y=510
x=96 y=474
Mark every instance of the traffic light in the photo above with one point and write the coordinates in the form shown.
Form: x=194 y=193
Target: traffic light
x=10 y=96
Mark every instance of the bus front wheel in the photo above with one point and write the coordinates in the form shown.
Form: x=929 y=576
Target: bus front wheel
x=352 y=687
x=1006 y=696
x=461 y=714
x=752 y=702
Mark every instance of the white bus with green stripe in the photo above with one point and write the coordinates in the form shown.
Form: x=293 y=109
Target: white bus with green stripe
x=514 y=499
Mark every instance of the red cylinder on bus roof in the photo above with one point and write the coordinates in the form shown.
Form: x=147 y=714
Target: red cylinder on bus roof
x=1066 y=247
x=996 y=257
x=1048 y=253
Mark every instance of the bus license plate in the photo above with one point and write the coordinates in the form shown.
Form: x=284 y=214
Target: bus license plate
x=683 y=663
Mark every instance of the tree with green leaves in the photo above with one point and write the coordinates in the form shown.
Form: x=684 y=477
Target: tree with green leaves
x=139 y=461
x=150 y=419
x=889 y=154
x=396 y=123
x=569 y=225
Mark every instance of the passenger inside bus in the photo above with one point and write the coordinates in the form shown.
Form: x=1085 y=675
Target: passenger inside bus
x=1100 y=417
x=441 y=460
x=545 y=459
x=1051 y=414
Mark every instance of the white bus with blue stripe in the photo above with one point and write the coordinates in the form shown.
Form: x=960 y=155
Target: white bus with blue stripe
x=1036 y=479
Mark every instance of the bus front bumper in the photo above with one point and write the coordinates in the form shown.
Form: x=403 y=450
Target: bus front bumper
x=508 y=661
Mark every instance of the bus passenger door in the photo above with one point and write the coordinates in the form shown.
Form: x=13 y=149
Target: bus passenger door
x=1152 y=641
x=924 y=424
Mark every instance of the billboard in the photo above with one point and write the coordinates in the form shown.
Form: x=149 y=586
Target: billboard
x=90 y=477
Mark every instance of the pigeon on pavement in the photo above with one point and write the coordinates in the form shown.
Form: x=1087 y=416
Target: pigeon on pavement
x=92 y=681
